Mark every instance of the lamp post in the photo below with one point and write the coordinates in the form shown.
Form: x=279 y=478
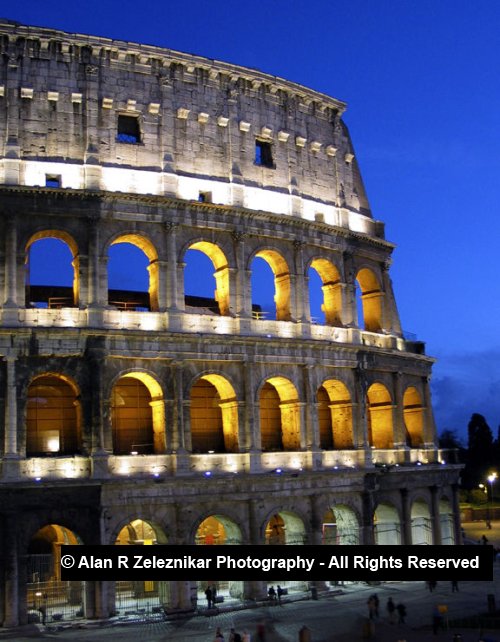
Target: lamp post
x=491 y=480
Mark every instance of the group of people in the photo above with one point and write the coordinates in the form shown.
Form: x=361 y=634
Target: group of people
x=392 y=609
x=234 y=636
x=275 y=595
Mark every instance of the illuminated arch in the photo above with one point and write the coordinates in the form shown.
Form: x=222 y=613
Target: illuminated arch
x=335 y=415
x=221 y=274
x=380 y=425
x=332 y=290
x=282 y=283
x=55 y=301
x=53 y=416
x=46 y=593
x=421 y=525
x=413 y=413
x=340 y=526
x=279 y=415
x=140 y=532
x=214 y=415
x=147 y=247
x=137 y=415
x=371 y=299
x=387 y=527
x=285 y=527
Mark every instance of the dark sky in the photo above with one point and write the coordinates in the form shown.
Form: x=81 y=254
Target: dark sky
x=421 y=83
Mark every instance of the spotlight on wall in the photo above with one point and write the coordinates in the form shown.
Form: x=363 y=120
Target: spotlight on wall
x=38 y=479
x=208 y=473
x=278 y=471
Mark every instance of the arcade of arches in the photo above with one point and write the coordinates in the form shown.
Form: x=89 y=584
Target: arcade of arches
x=340 y=524
x=288 y=302
x=137 y=418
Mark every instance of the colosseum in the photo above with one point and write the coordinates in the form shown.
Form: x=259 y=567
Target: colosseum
x=145 y=415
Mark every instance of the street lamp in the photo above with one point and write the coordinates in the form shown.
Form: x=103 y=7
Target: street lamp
x=491 y=480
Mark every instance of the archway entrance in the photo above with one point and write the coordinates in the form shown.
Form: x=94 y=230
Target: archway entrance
x=446 y=522
x=387 y=528
x=141 y=596
x=340 y=527
x=421 y=526
x=286 y=528
x=49 y=599
x=218 y=529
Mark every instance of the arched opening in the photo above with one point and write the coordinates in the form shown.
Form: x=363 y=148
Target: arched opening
x=386 y=525
x=218 y=300
x=421 y=525
x=133 y=274
x=137 y=415
x=380 y=426
x=279 y=415
x=446 y=522
x=331 y=291
x=281 y=283
x=286 y=528
x=53 y=417
x=219 y=530
x=52 y=270
x=413 y=413
x=139 y=595
x=371 y=300
x=214 y=415
x=49 y=599
x=334 y=416
x=340 y=526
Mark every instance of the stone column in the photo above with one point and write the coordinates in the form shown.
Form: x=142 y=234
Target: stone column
x=399 y=427
x=11 y=291
x=242 y=295
x=392 y=322
x=11 y=152
x=11 y=572
x=10 y=437
x=92 y=167
x=302 y=312
x=102 y=445
x=316 y=536
x=429 y=425
x=367 y=532
x=254 y=590
x=406 y=534
x=350 y=310
x=360 y=432
x=172 y=297
x=455 y=504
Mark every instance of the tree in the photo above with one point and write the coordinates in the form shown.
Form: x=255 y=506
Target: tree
x=480 y=453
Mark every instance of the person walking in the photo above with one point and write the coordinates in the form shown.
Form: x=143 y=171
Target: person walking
x=279 y=592
x=209 y=596
x=219 y=637
x=454 y=586
x=391 y=609
x=272 y=594
x=371 y=607
x=401 y=609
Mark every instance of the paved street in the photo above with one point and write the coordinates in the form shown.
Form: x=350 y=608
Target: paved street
x=333 y=618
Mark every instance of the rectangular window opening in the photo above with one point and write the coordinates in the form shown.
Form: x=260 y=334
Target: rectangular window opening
x=128 y=130
x=205 y=197
x=264 y=154
x=53 y=180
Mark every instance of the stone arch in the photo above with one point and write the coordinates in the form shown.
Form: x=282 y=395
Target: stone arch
x=380 y=421
x=279 y=414
x=386 y=525
x=55 y=296
x=421 y=524
x=140 y=532
x=214 y=415
x=371 y=300
x=221 y=273
x=285 y=527
x=335 y=415
x=137 y=414
x=340 y=526
x=48 y=597
x=446 y=521
x=147 y=247
x=53 y=416
x=282 y=281
x=413 y=413
x=331 y=289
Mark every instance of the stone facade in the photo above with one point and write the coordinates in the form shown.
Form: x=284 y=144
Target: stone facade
x=324 y=430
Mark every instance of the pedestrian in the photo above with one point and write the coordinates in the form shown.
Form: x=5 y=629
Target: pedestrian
x=279 y=593
x=219 y=637
x=401 y=609
x=391 y=608
x=376 y=603
x=432 y=586
x=437 y=620
x=213 y=588
x=454 y=586
x=484 y=540
x=246 y=637
x=234 y=636
x=209 y=596
x=371 y=607
x=272 y=593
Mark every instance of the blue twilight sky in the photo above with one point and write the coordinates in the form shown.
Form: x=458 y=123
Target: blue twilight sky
x=423 y=93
